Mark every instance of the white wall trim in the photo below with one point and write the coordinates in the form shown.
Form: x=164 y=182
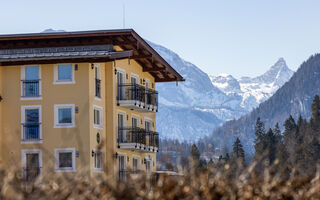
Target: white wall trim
x=148 y=119
x=139 y=161
x=55 y=74
x=23 y=115
x=121 y=70
x=95 y=107
x=135 y=117
x=125 y=159
x=98 y=170
x=56 y=116
x=23 y=76
x=135 y=76
x=56 y=159
x=24 y=158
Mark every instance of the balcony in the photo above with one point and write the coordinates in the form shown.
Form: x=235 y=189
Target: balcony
x=31 y=132
x=137 y=97
x=153 y=141
x=98 y=88
x=30 y=88
x=138 y=139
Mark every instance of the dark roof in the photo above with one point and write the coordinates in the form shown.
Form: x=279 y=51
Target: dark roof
x=62 y=54
x=36 y=47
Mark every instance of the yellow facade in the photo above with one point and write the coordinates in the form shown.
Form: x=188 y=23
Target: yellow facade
x=80 y=102
x=83 y=136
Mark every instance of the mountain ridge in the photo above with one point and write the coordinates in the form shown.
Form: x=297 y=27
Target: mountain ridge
x=293 y=98
x=197 y=106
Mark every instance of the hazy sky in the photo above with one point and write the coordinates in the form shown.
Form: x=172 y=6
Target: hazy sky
x=240 y=37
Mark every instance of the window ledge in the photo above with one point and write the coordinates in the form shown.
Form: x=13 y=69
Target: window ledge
x=64 y=125
x=65 y=170
x=32 y=142
x=64 y=82
x=30 y=98
x=97 y=98
x=98 y=170
x=98 y=127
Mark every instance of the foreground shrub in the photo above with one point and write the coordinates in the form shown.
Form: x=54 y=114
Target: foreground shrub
x=208 y=183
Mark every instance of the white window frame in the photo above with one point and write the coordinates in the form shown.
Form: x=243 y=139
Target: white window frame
x=23 y=76
x=56 y=159
x=124 y=117
x=150 y=159
x=148 y=81
x=137 y=117
x=56 y=116
x=55 y=74
x=136 y=76
x=100 y=109
x=123 y=72
x=94 y=161
x=24 y=152
x=125 y=160
x=148 y=119
x=139 y=162
x=23 y=120
x=97 y=65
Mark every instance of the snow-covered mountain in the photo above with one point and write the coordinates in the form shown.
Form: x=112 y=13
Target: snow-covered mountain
x=200 y=104
x=255 y=90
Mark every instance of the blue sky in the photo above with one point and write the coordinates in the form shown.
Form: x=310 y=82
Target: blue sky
x=242 y=38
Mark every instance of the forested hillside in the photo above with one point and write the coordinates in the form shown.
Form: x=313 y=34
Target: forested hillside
x=293 y=98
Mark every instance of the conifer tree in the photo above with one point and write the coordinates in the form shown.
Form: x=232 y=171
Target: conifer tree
x=290 y=124
x=271 y=143
x=315 y=109
x=238 y=152
x=195 y=154
x=290 y=141
x=259 y=143
x=227 y=158
x=277 y=134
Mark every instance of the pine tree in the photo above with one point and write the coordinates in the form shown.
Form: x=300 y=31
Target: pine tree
x=290 y=141
x=277 y=134
x=271 y=143
x=195 y=154
x=227 y=158
x=238 y=152
x=315 y=109
x=290 y=124
x=259 y=143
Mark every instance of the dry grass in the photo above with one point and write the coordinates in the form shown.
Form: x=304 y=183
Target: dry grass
x=205 y=184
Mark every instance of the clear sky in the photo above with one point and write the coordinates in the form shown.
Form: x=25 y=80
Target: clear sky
x=239 y=37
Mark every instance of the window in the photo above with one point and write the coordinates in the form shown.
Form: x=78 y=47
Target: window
x=149 y=165
x=122 y=167
x=65 y=159
x=31 y=163
x=134 y=88
x=97 y=117
x=64 y=116
x=121 y=85
x=97 y=80
x=31 y=124
x=135 y=164
x=64 y=74
x=148 y=125
x=122 y=134
x=98 y=160
x=30 y=83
